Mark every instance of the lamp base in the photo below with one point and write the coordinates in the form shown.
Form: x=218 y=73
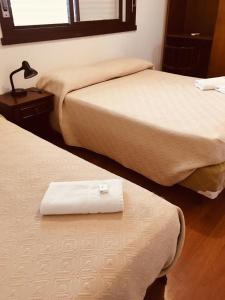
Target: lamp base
x=19 y=93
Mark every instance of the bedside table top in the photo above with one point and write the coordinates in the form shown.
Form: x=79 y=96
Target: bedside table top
x=31 y=96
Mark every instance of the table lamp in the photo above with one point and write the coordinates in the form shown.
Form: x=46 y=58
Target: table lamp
x=28 y=73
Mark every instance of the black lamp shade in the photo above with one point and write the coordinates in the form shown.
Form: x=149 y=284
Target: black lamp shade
x=28 y=73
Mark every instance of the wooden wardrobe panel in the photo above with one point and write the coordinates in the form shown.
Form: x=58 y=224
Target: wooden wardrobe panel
x=175 y=24
x=217 y=63
x=184 y=53
x=201 y=16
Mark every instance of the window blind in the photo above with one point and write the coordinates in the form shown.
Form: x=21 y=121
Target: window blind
x=91 y=10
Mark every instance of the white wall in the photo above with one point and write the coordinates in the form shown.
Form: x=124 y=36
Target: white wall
x=146 y=43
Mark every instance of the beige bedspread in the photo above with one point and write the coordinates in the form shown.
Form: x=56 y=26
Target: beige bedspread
x=155 y=123
x=114 y=256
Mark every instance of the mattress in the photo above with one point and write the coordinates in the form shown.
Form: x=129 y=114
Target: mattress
x=82 y=257
x=156 y=123
x=138 y=120
x=209 y=181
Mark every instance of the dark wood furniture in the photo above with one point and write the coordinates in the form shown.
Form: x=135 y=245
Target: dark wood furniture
x=217 y=63
x=30 y=112
x=189 y=36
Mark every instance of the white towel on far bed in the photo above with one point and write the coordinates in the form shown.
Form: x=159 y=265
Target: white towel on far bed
x=210 y=83
x=221 y=89
x=83 y=197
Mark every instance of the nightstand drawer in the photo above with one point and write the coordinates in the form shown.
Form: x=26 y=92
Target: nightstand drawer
x=35 y=110
x=30 y=111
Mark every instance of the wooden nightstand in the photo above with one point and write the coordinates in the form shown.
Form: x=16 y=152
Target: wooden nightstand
x=30 y=112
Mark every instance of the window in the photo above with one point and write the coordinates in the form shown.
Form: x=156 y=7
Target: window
x=41 y=12
x=40 y=20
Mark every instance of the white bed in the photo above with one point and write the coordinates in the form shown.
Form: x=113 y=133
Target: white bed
x=82 y=257
x=156 y=123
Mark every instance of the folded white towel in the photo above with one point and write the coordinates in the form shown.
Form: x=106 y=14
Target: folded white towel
x=210 y=83
x=221 y=89
x=83 y=197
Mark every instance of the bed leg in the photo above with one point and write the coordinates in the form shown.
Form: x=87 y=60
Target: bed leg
x=163 y=280
x=157 y=290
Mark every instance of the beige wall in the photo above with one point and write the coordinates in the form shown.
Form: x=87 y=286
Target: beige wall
x=146 y=43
